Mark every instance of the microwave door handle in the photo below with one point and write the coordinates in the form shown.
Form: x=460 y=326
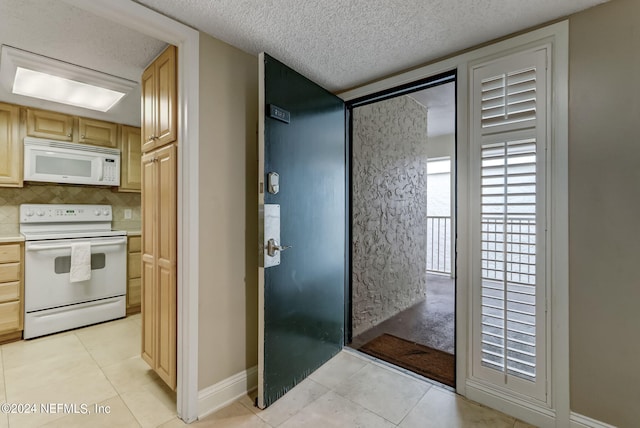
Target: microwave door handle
x=101 y=175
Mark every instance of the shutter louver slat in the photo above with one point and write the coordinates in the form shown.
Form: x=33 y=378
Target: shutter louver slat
x=513 y=118
x=508 y=272
x=509 y=98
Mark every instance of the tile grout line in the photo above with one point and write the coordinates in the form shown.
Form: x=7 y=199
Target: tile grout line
x=397 y=369
x=364 y=408
x=108 y=380
x=415 y=405
x=308 y=378
x=358 y=404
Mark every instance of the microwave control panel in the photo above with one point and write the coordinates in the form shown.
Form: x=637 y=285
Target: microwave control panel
x=110 y=172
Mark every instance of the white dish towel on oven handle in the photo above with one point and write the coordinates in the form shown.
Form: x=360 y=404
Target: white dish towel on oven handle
x=80 y=262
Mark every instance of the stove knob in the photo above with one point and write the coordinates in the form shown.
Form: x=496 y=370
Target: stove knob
x=97 y=212
x=29 y=213
x=40 y=213
x=105 y=212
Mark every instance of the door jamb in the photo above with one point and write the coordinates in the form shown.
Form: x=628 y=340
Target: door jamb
x=158 y=26
x=396 y=91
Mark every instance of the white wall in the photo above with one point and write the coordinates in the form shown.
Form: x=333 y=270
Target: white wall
x=604 y=207
x=228 y=211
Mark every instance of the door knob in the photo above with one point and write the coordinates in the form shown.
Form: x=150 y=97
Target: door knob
x=273 y=247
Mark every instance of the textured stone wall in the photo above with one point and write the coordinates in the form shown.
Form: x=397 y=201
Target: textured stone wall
x=389 y=209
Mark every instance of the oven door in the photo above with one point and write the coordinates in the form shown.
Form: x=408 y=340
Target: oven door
x=47 y=265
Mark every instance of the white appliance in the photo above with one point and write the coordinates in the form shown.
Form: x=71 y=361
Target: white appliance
x=52 y=302
x=60 y=162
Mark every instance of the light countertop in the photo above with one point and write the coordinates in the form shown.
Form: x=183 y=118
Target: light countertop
x=10 y=236
x=134 y=233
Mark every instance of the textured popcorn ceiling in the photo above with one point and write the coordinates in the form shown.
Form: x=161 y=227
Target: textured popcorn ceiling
x=341 y=44
x=55 y=29
x=58 y=30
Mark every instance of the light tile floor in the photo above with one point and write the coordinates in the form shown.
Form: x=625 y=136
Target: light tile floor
x=94 y=366
x=100 y=367
x=353 y=390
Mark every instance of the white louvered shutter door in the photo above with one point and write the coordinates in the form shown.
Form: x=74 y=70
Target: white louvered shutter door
x=508 y=139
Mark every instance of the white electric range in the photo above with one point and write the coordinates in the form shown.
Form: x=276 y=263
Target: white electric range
x=52 y=302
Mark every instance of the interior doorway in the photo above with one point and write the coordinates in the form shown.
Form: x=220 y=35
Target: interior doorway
x=402 y=199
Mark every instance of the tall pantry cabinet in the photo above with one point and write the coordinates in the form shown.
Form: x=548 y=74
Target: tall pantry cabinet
x=159 y=221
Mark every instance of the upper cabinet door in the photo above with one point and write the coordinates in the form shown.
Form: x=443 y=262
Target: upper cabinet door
x=97 y=132
x=49 y=124
x=159 y=108
x=166 y=93
x=10 y=150
x=130 y=141
x=148 y=108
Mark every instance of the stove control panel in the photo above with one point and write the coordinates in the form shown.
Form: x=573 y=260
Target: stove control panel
x=49 y=213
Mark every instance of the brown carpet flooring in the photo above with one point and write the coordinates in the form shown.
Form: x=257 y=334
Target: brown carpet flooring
x=428 y=362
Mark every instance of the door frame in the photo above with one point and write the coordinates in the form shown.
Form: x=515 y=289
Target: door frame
x=558 y=332
x=153 y=24
x=382 y=95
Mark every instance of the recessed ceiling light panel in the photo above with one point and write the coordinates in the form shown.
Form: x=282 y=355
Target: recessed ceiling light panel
x=28 y=74
x=60 y=90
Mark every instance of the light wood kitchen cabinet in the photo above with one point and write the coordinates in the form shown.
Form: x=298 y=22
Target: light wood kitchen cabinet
x=11 y=291
x=49 y=124
x=97 y=132
x=10 y=147
x=130 y=158
x=159 y=102
x=134 y=274
x=159 y=261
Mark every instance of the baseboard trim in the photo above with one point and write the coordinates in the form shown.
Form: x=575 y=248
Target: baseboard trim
x=580 y=421
x=526 y=411
x=216 y=396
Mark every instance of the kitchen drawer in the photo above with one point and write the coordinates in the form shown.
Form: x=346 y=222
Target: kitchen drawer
x=134 y=292
x=135 y=244
x=134 y=265
x=10 y=317
x=9 y=291
x=10 y=253
x=10 y=272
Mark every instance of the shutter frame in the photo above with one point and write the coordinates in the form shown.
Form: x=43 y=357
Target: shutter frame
x=517 y=84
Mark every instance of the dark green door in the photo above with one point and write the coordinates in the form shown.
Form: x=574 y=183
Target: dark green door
x=301 y=313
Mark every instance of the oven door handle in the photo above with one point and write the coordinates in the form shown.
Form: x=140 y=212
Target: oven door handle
x=67 y=246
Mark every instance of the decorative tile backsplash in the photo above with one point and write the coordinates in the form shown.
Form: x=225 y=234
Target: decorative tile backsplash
x=12 y=198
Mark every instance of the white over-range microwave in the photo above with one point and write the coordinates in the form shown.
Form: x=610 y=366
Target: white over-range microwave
x=61 y=162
